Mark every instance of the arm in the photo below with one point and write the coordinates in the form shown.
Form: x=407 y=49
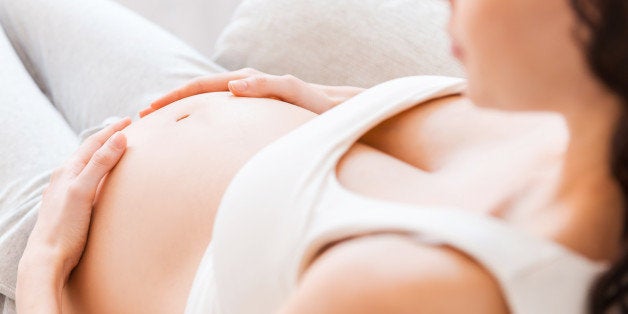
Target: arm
x=391 y=274
x=58 y=239
x=39 y=283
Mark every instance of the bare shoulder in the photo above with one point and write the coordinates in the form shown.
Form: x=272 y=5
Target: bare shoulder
x=393 y=274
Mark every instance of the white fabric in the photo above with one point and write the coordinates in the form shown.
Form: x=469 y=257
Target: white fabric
x=286 y=203
x=197 y=22
x=349 y=42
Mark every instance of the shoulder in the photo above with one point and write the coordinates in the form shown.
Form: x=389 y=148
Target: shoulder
x=393 y=274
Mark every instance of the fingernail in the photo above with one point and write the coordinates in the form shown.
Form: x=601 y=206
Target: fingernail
x=144 y=112
x=117 y=140
x=239 y=85
x=122 y=123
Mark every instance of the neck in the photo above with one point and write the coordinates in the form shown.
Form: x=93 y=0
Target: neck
x=588 y=195
x=591 y=122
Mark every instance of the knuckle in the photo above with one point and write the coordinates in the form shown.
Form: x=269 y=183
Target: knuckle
x=293 y=82
x=260 y=80
x=102 y=158
x=249 y=71
x=57 y=173
x=66 y=171
x=95 y=139
x=75 y=190
x=47 y=191
x=289 y=78
x=333 y=101
x=74 y=168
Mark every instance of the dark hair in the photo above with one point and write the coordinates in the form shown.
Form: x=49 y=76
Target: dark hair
x=605 y=25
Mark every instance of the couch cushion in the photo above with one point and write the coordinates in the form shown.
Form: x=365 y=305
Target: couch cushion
x=349 y=42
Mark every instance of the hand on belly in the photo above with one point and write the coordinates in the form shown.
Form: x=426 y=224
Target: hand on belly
x=154 y=215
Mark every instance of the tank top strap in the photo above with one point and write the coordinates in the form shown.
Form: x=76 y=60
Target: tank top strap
x=334 y=132
x=523 y=264
x=283 y=183
x=326 y=138
x=346 y=123
x=285 y=198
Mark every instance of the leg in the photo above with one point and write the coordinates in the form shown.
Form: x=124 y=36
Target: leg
x=95 y=59
x=34 y=139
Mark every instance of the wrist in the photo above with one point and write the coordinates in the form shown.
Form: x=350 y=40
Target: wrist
x=40 y=282
x=41 y=266
x=42 y=263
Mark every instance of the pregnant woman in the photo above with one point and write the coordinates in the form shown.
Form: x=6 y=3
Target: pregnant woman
x=405 y=198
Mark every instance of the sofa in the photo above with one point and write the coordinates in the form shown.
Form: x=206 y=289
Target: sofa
x=350 y=42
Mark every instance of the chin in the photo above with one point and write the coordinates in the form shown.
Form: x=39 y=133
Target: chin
x=490 y=100
x=490 y=94
x=481 y=97
x=487 y=99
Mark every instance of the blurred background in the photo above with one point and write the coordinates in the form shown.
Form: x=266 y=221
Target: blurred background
x=198 y=22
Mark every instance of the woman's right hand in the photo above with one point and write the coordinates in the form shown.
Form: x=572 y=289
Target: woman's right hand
x=59 y=236
x=252 y=83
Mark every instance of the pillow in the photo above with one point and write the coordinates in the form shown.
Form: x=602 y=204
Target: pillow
x=349 y=42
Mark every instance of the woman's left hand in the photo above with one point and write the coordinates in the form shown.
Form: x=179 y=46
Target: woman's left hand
x=58 y=239
x=253 y=83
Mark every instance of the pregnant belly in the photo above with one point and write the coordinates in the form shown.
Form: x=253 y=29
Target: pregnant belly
x=154 y=214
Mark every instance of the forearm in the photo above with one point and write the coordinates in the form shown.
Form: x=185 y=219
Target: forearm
x=40 y=283
x=334 y=95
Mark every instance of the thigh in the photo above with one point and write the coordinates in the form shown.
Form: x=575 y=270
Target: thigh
x=95 y=59
x=34 y=139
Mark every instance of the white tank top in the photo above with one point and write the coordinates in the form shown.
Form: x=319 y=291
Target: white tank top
x=286 y=203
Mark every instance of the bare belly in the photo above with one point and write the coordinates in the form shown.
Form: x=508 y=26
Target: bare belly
x=154 y=216
x=155 y=212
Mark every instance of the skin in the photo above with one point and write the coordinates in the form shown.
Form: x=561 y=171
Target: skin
x=524 y=70
x=532 y=61
x=59 y=236
x=124 y=237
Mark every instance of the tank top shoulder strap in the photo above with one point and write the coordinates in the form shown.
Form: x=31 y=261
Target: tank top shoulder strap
x=333 y=133
x=347 y=122
x=285 y=197
x=523 y=264
x=283 y=184
x=324 y=139
x=519 y=261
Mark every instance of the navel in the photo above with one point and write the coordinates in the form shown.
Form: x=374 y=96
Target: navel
x=182 y=117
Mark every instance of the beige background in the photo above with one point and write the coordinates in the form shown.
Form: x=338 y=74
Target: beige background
x=198 y=22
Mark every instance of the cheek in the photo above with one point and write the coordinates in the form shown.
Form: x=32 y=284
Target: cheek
x=510 y=48
x=477 y=30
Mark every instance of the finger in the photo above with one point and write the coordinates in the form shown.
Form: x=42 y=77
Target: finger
x=102 y=161
x=214 y=83
x=93 y=143
x=146 y=111
x=343 y=92
x=286 y=88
